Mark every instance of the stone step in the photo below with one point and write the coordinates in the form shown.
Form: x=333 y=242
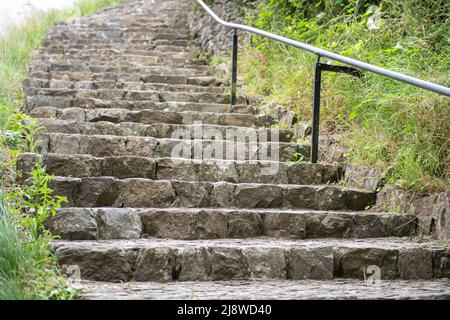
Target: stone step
x=119 y=36
x=39 y=97
x=157 y=130
x=151 y=17
x=120 y=46
x=139 y=193
x=341 y=289
x=236 y=259
x=125 y=42
x=110 y=28
x=149 y=116
x=117 y=61
x=193 y=224
x=113 y=29
x=118 y=56
x=96 y=109
x=122 y=39
x=175 y=42
x=47 y=62
x=142 y=71
x=115 y=35
x=129 y=77
x=123 y=167
x=146 y=31
x=173 y=56
x=103 y=146
x=113 y=46
x=114 y=85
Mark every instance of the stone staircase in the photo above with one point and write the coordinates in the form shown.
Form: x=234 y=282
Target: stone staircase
x=118 y=92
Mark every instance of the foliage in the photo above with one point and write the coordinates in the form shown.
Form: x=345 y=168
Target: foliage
x=28 y=268
x=400 y=129
x=35 y=201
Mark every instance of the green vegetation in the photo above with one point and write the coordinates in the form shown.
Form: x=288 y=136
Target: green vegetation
x=402 y=130
x=16 y=48
x=28 y=267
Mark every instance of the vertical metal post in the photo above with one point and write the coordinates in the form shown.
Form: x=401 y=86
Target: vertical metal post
x=234 y=68
x=316 y=113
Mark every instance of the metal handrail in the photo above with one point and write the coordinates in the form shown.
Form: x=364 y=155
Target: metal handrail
x=320 y=53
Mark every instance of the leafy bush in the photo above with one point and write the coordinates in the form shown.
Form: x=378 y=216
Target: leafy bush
x=390 y=125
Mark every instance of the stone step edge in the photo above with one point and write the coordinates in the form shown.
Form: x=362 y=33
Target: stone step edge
x=138 y=192
x=185 y=126
x=35 y=156
x=226 y=259
x=68 y=94
x=129 y=166
x=200 y=80
x=186 y=86
x=281 y=185
x=298 y=147
x=336 y=289
x=128 y=93
x=180 y=114
x=154 y=101
x=216 y=223
x=115 y=145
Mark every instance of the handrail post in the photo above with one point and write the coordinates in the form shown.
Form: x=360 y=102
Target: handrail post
x=234 y=68
x=316 y=112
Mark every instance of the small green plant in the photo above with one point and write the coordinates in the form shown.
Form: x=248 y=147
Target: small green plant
x=35 y=202
x=298 y=157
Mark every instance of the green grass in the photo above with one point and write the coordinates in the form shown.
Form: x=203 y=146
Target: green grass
x=12 y=259
x=402 y=130
x=28 y=269
x=19 y=43
x=28 y=266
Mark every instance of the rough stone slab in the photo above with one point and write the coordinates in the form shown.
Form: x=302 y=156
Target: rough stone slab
x=185 y=223
x=156 y=130
x=150 y=77
x=180 y=101
x=133 y=100
x=109 y=84
x=239 y=259
x=150 y=71
x=136 y=193
x=181 y=169
x=107 y=145
x=143 y=112
x=266 y=290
